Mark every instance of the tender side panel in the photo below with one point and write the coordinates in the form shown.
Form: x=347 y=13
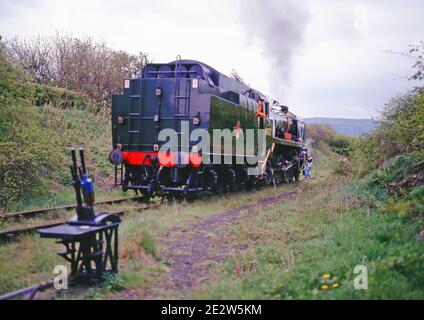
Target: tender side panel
x=226 y=115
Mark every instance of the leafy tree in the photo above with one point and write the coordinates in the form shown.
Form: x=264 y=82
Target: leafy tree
x=400 y=132
x=13 y=80
x=28 y=152
x=34 y=140
x=36 y=56
x=82 y=65
x=401 y=124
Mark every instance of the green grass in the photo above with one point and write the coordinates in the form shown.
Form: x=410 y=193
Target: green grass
x=34 y=153
x=139 y=241
x=290 y=246
x=26 y=262
x=65 y=196
x=322 y=234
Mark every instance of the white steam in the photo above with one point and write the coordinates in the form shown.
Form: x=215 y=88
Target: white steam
x=277 y=26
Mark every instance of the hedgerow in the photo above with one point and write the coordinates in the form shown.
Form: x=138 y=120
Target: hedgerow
x=401 y=132
x=37 y=125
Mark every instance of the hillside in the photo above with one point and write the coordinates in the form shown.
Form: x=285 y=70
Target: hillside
x=38 y=124
x=351 y=127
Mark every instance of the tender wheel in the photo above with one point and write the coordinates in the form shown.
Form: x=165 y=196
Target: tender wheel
x=250 y=183
x=191 y=196
x=286 y=177
x=235 y=186
x=219 y=188
x=233 y=180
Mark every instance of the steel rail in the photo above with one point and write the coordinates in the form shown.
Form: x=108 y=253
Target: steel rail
x=34 y=212
x=30 y=291
x=10 y=235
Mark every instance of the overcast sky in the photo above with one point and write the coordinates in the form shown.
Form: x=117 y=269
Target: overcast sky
x=320 y=57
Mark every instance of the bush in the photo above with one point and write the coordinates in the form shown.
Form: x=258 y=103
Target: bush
x=340 y=145
x=15 y=86
x=34 y=139
x=343 y=167
x=402 y=125
x=395 y=187
x=27 y=154
x=320 y=134
x=62 y=98
x=33 y=148
x=13 y=80
x=82 y=65
x=401 y=131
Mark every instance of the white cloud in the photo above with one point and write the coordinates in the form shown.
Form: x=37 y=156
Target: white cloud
x=338 y=70
x=344 y=71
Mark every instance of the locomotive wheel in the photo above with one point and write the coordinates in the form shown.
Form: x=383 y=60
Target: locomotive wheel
x=246 y=186
x=286 y=177
x=234 y=183
x=291 y=176
x=218 y=179
x=200 y=195
x=219 y=188
x=235 y=186
x=176 y=196
x=258 y=184
x=269 y=176
x=191 y=196
x=249 y=184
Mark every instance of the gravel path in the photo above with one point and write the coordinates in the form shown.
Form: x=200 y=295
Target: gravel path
x=193 y=251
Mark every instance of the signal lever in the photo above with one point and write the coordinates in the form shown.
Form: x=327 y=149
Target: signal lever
x=84 y=184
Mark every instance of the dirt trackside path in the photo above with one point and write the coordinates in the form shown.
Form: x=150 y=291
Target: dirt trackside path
x=195 y=252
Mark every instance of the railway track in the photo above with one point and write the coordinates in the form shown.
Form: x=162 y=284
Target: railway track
x=10 y=235
x=13 y=216
x=30 y=291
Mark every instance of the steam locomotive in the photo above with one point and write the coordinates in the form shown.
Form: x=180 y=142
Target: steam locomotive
x=185 y=96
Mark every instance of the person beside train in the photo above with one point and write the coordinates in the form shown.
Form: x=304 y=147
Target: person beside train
x=308 y=168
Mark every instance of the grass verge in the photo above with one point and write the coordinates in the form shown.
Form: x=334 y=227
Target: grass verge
x=140 y=266
x=293 y=246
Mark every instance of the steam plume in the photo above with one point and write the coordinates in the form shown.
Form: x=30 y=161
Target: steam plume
x=277 y=26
